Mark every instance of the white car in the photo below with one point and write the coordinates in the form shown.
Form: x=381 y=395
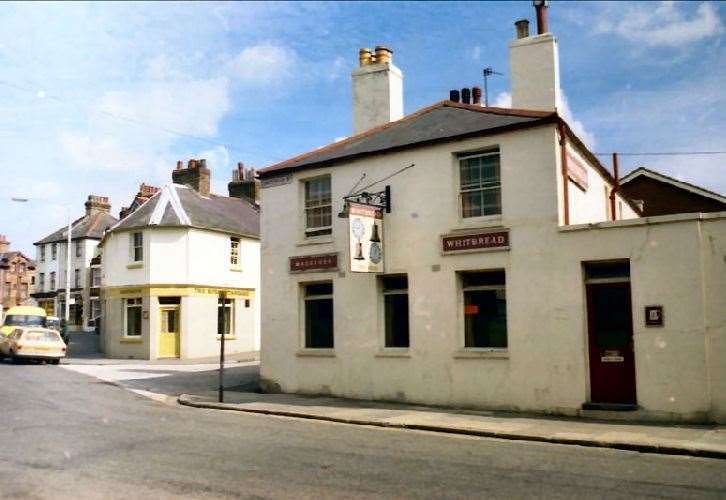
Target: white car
x=33 y=343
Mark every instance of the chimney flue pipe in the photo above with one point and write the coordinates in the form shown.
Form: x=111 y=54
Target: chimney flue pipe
x=522 y=28
x=541 y=8
x=454 y=95
x=466 y=96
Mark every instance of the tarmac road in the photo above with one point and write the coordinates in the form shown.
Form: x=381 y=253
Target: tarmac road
x=67 y=435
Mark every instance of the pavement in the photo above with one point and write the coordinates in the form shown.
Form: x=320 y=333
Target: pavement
x=68 y=435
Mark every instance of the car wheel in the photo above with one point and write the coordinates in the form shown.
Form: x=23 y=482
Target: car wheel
x=54 y=361
x=14 y=358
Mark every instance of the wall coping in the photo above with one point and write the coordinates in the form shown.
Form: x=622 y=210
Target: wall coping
x=643 y=221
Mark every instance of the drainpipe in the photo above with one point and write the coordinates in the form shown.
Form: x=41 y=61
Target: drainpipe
x=616 y=185
x=565 y=179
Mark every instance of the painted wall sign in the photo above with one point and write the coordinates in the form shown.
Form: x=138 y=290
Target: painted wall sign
x=477 y=242
x=577 y=171
x=365 y=233
x=309 y=263
x=280 y=180
x=653 y=315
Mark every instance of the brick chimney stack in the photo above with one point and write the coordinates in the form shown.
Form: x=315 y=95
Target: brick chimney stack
x=4 y=244
x=97 y=204
x=244 y=184
x=195 y=176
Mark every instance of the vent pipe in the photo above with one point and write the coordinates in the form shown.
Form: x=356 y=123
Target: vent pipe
x=541 y=8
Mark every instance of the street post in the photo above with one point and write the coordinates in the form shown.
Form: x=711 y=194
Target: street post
x=223 y=298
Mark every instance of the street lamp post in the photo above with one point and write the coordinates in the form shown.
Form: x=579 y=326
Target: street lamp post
x=68 y=260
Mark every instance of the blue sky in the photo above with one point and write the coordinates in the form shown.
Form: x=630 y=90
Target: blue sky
x=100 y=97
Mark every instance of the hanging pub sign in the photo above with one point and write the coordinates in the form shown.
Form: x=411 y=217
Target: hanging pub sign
x=474 y=242
x=366 y=238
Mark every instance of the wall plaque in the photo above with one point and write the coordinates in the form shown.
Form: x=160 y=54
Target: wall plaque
x=576 y=171
x=312 y=263
x=280 y=180
x=653 y=315
x=476 y=242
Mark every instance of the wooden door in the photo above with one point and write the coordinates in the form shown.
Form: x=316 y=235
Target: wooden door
x=610 y=336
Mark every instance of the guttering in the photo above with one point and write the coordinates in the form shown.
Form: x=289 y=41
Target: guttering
x=616 y=186
x=565 y=179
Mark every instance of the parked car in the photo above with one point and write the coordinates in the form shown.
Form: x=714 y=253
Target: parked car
x=59 y=325
x=33 y=343
x=22 y=316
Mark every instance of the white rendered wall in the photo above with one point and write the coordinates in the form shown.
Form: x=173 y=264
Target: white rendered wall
x=377 y=96
x=534 y=67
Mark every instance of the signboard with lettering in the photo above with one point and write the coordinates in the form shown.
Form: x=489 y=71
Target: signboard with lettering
x=280 y=180
x=474 y=242
x=577 y=171
x=366 y=238
x=312 y=263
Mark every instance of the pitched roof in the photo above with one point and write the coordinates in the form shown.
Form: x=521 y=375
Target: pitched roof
x=89 y=226
x=692 y=188
x=6 y=257
x=443 y=121
x=180 y=206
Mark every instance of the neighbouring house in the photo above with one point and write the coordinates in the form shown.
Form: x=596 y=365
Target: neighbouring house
x=482 y=257
x=17 y=276
x=664 y=195
x=50 y=252
x=182 y=269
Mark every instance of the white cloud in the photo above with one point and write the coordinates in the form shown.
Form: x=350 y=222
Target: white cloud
x=474 y=52
x=264 y=64
x=666 y=24
x=504 y=100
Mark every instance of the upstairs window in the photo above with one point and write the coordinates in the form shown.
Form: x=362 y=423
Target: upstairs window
x=234 y=251
x=78 y=248
x=76 y=278
x=395 y=304
x=137 y=247
x=485 y=309
x=53 y=251
x=318 y=207
x=95 y=277
x=480 y=185
x=52 y=281
x=318 y=299
x=42 y=253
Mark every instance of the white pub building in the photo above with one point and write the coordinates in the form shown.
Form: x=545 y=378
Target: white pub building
x=511 y=273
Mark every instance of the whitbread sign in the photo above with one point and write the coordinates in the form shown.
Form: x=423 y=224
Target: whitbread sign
x=366 y=238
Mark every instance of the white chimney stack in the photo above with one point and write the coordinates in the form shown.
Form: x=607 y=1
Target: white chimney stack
x=377 y=90
x=534 y=65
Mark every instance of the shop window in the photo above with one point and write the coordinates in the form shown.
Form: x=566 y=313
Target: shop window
x=318 y=207
x=485 y=309
x=225 y=316
x=318 y=302
x=52 y=281
x=53 y=251
x=480 y=185
x=234 y=251
x=137 y=247
x=395 y=305
x=132 y=328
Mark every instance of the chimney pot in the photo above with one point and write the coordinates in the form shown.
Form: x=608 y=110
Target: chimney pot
x=196 y=176
x=383 y=54
x=522 y=28
x=466 y=95
x=203 y=163
x=365 y=57
x=541 y=8
x=179 y=165
x=476 y=95
x=454 y=95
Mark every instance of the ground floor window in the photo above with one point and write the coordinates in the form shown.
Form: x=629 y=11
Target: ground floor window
x=395 y=305
x=132 y=327
x=485 y=309
x=225 y=316
x=318 y=302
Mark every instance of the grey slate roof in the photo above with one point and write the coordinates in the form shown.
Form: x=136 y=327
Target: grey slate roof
x=221 y=213
x=445 y=120
x=89 y=226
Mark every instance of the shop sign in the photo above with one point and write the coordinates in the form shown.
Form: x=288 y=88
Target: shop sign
x=365 y=233
x=280 y=180
x=577 y=171
x=312 y=263
x=476 y=242
x=612 y=357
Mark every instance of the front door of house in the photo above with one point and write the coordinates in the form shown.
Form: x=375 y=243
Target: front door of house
x=169 y=332
x=610 y=339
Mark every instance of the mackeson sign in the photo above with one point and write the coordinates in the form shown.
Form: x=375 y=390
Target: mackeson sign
x=308 y=263
x=455 y=243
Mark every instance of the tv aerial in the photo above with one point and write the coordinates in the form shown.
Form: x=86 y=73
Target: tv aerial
x=488 y=71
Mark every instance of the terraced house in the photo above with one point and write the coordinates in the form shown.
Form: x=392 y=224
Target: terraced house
x=483 y=257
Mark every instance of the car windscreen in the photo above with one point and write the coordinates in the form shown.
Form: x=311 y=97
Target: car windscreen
x=40 y=336
x=23 y=320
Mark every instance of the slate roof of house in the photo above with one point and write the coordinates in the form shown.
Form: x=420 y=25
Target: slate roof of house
x=89 y=226
x=6 y=257
x=692 y=188
x=443 y=121
x=176 y=205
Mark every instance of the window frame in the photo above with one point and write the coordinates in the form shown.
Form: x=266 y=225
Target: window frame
x=459 y=158
x=128 y=303
x=134 y=247
x=317 y=231
x=387 y=292
x=53 y=251
x=41 y=281
x=78 y=248
x=76 y=278
x=42 y=253
x=463 y=289
x=52 y=281
x=304 y=299
x=95 y=273
x=234 y=252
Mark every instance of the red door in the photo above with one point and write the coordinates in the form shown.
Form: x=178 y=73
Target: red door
x=610 y=335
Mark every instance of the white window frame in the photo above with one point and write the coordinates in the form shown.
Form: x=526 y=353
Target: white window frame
x=52 y=282
x=461 y=190
x=129 y=303
x=95 y=277
x=53 y=251
x=78 y=248
x=41 y=281
x=42 y=253
x=76 y=278
x=323 y=231
x=234 y=252
x=133 y=247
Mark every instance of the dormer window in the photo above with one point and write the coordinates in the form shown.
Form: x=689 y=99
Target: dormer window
x=480 y=185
